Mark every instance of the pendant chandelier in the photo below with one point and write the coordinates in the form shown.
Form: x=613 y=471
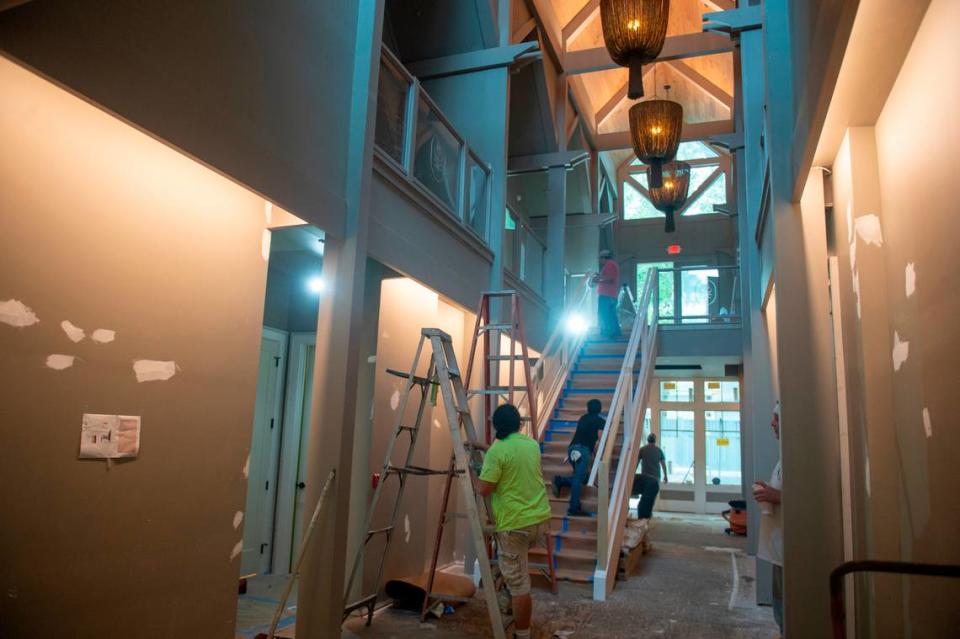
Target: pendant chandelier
x=655 y=127
x=672 y=195
x=634 y=31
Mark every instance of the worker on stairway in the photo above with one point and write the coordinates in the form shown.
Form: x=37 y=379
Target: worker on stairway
x=607 y=282
x=512 y=475
x=580 y=455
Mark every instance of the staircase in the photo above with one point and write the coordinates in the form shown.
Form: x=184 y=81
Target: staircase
x=593 y=376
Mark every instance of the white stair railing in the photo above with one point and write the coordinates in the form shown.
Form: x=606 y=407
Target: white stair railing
x=626 y=411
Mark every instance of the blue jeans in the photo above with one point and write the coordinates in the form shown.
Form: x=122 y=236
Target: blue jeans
x=581 y=472
x=647 y=487
x=607 y=316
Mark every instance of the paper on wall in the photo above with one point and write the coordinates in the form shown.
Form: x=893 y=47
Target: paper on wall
x=149 y=370
x=16 y=313
x=109 y=436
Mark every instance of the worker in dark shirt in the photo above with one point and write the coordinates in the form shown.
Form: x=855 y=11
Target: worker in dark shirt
x=580 y=456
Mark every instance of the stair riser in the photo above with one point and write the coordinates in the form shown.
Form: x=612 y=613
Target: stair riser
x=618 y=349
x=583 y=544
x=580 y=525
x=575 y=563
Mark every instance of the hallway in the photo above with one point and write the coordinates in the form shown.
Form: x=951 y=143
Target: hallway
x=684 y=588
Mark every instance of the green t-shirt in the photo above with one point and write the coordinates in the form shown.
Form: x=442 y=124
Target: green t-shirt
x=520 y=500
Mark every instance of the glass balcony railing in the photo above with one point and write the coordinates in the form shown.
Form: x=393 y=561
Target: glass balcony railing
x=697 y=294
x=523 y=252
x=414 y=135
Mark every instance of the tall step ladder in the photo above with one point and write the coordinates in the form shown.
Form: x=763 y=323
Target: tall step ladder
x=489 y=335
x=444 y=374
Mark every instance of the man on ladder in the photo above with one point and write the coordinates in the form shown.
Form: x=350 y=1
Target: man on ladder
x=511 y=475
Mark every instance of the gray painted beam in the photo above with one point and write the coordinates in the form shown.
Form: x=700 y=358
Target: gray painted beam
x=690 y=45
x=541 y=161
x=472 y=61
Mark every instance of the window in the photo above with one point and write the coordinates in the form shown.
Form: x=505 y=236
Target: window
x=716 y=193
x=695 y=151
x=636 y=205
x=676 y=391
x=723 y=391
x=676 y=440
x=723 y=447
x=698 y=294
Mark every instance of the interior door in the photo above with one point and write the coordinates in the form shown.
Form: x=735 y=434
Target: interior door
x=296 y=426
x=264 y=455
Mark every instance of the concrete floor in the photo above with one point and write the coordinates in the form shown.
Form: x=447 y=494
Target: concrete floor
x=696 y=583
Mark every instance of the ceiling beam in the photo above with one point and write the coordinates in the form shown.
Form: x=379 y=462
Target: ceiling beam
x=580 y=21
x=691 y=131
x=471 y=61
x=720 y=5
x=690 y=45
x=615 y=100
x=524 y=30
x=541 y=161
x=706 y=84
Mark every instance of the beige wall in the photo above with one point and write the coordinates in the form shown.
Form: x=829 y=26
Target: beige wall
x=406 y=307
x=107 y=228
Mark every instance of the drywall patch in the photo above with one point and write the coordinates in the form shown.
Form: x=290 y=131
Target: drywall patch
x=265 y=245
x=853 y=256
x=849 y=222
x=268 y=212
x=856 y=291
x=60 y=362
x=437 y=424
x=868 y=228
x=406 y=529
x=103 y=336
x=372 y=359
x=246 y=467
x=237 y=549
x=910 y=278
x=927 y=426
x=901 y=351
x=75 y=333
x=395 y=400
x=151 y=370
x=16 y=313
x=237 y=519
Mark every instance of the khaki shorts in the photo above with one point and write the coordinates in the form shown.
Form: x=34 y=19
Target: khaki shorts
x=513 y=547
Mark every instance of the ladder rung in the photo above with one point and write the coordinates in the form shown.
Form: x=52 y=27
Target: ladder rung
x=496 y=327
x=378 y=531
x=496 y=390
x=423 y=381
x=359 y=603
x=503 y=358
x=409 y=428
x=453 y=372
x=504 y=293
x=416 y=470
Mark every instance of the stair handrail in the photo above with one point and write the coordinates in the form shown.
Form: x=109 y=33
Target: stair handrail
x=629 y=406
x=560 y=352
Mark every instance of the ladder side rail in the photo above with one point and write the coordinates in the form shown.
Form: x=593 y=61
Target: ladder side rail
x=398 y=430
x=531 y=396
x=455 y=420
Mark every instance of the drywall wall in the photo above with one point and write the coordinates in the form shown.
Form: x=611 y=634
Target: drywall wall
x=109 y=229
x=260 y=92
x=406 y=307
x=908 y=248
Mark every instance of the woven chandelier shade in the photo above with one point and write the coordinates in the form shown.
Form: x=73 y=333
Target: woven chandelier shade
x=673 y=193
x=634 y=31
x=655 y=127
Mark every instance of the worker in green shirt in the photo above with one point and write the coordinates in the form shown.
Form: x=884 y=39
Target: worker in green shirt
x=511 y=474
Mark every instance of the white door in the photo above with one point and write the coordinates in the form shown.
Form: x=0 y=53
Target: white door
x=264 y=455
x=296 y=427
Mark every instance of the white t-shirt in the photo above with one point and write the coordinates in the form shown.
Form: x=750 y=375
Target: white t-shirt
x=770 y=546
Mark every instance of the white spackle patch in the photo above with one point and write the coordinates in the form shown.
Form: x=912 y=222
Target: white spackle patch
x=395 y=400
x=868 y=228
x=237 y=549
x=901 y=350
x=406 y=529
x=910 y=278
x=150 y=370
x=849 y=222
x=856 y=291
x=16 y=313
x=437 y=424
x=372 y=359
x=75 y=333
x=853 y=256
x=385 y=335
x=103 y=336
x=268 y=212
x=246 y=467
x=927 y=426
x=237 y=519
x=60 y=362
x=265 y=245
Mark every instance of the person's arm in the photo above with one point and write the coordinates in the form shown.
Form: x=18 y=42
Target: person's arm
x=766 y=493
x=663 y=465
x=486 y=483
x=485 y=488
